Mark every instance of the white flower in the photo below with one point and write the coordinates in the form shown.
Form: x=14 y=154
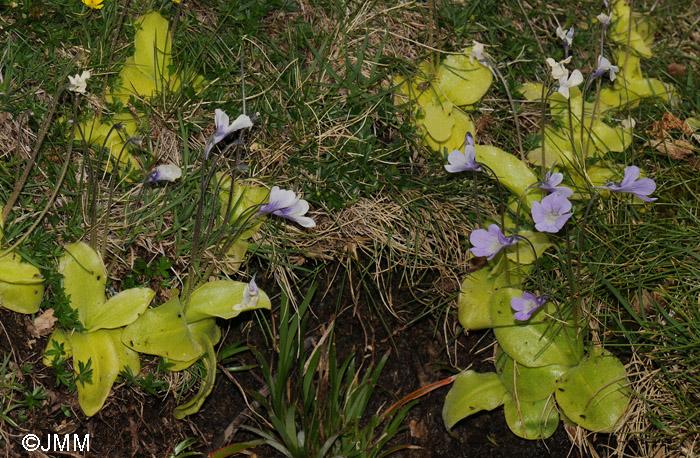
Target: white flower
x=604 y=19
x=78 y=83
x=604 y=65
x=223 y=129
x=478 y=53
x=565 y=84
x=166 y=172
x=566 y=37
x=628 y=123
x=287 y=204
x=558 y=70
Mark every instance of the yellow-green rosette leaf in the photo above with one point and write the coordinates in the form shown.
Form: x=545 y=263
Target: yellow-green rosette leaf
x=462 y=124
x=531 y=91
x=607 y=138
x=152 y=45
x=531 y=420
x=471 y=393
x=224 y=299
x=474 y=296
x=511 y=171
x=127 y=357
x=97 y=348
x=528 y=384
x=21 y=284
x=594 y=394
x=119 y=310
x=84 y=279
x=535 y=343
x=524 y=253
x=438 y=120
x=163 y=331
x=207 y=327
x=244 y=200
x=639 y=34
x=193 y=405
x=462 y=81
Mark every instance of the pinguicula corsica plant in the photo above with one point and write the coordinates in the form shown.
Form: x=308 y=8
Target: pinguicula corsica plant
x=547 y=364
x=106 y=333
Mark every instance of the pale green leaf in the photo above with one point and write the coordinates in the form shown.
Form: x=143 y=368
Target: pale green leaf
x=163 y=331
x=534 y=343
x=527 y=384
x=462 y=81
x=84 y=278
x=471 y=393
x=531 y=420
x=21 y=284
x=594 y=394
x=223 y=299
x=119 y=310
x=97 y=347
x=193 y=405
x=511 y=171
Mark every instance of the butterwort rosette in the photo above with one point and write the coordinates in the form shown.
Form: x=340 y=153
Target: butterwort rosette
x=489 y=243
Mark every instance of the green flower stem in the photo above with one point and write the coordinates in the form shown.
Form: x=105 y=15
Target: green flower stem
x=502 y=212
x=57 y=187
x=498 y=73
x=19 y=184
x=475 y=198
x=576 y=301
x=537 y=264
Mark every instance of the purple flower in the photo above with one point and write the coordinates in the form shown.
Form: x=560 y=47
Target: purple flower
x=223 y=129
x=250 y=296
x=287 y=204
x=527 y=305
x=632 y=184
x=489 y=243
x=551 y=182
x=604 y=66
x=550 y=214
x=464 y=161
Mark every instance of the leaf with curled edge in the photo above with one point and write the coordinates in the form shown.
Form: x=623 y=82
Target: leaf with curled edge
x=472 y=392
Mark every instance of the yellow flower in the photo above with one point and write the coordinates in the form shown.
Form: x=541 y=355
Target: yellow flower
x=176 y=1
x=96 y=4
